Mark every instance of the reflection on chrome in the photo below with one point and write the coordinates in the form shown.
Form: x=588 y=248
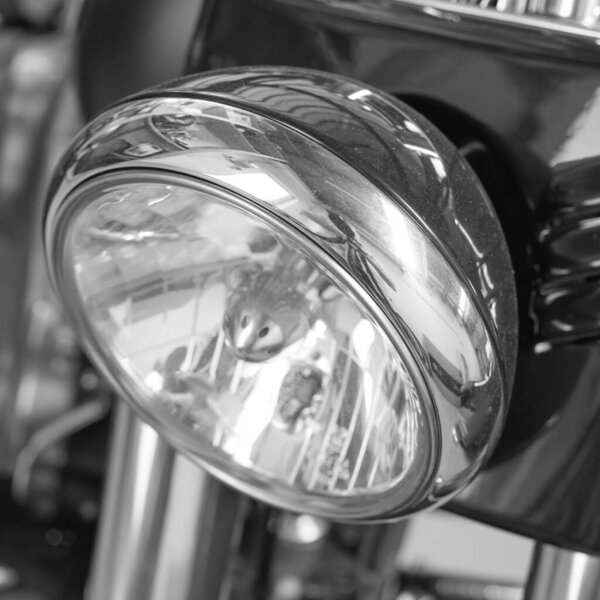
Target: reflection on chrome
x=251 y=345
x=193 y=132
x=318 y=308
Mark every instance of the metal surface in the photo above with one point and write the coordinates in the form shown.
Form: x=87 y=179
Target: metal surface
x=576 y=18
x=585 y=13
x=563 y=575
x=526 y=26
x=169 y=530
x=536 y=118
x=159 y=534
x=153 y=34
x=569 y=296
x=352 y=169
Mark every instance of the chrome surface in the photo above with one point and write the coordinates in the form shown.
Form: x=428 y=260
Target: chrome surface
x=580 y=12
x=562 y=29
x=568 y=301
x=167 y=529
x=366 y=209
x=559 y=574
x=575 y=17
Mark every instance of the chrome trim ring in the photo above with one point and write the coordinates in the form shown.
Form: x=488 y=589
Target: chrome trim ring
x=372 y=189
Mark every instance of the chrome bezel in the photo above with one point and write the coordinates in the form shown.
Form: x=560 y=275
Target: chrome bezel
x=368 y=203
x=154 y=411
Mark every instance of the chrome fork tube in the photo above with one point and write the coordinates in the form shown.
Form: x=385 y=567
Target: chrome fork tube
x=168 y=530
x=159 y=536
x=559 y=574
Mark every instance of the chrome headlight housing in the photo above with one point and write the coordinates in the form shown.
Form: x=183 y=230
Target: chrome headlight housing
x=297 y=281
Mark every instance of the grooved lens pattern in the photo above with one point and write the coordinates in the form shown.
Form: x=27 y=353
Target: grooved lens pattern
x=249 y=343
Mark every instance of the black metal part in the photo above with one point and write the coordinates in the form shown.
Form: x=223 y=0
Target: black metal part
x=569 y=237
x=123 y=47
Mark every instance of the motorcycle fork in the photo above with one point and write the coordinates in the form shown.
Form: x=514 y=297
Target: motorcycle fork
x=558 y=574
x=169 y=530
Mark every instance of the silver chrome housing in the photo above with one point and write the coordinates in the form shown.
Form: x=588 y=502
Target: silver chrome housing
x=376 y=195
x=569 y=19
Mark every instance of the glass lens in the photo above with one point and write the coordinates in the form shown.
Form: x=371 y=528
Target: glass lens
x=250 y=345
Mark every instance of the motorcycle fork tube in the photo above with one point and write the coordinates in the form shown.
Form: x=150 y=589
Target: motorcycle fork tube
x=167 y=529
x=558 y=574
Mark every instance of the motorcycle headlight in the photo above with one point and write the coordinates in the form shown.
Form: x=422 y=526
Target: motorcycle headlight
x=255 y=260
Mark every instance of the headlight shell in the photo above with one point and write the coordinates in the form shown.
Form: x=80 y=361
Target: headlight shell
x=297 y=281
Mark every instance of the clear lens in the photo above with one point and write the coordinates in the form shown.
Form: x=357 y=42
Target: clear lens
x=260 y=354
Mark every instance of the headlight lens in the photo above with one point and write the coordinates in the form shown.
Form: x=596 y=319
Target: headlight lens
x=300 y=327
x=237 y=332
